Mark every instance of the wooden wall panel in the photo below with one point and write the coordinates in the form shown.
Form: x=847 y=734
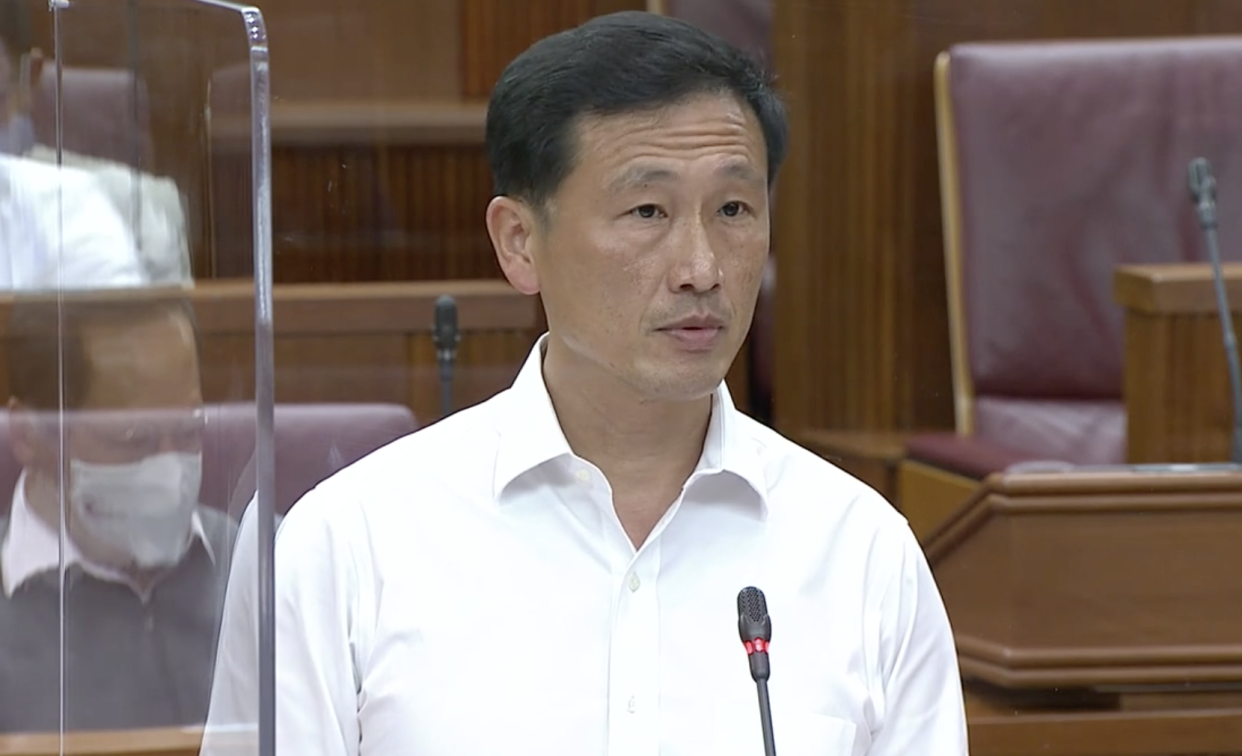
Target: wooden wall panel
x=363 y=49
x=381 y=213
x=369 y=212
x=495 y=32
x=861 y=316
x=367 y=342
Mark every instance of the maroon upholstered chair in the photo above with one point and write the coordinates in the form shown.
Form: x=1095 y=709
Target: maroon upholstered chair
x=106 y=113
x=313 y=441
x=1059 y=162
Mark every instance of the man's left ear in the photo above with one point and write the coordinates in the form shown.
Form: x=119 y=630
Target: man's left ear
x=513 y=228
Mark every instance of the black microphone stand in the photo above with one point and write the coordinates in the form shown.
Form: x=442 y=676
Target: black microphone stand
x=447 y=363
x=446 y=336
x=1203 y=191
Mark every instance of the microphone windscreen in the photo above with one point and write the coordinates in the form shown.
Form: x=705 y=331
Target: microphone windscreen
x=1200 y=179
x=446 y=311
x=752 y=604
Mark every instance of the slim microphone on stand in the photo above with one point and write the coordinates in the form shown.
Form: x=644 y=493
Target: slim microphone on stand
x=1203 y=193
x=755 y=627
x=446 y=337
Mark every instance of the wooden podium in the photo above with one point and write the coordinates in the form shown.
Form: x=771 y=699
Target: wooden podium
x=1098 y=612
x=171 y=741
x=1176 y=384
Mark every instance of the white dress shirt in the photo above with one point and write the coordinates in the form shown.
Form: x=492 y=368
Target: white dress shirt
x=150 y=206
x=32 y=547
x=58 y=230
x=469 y=590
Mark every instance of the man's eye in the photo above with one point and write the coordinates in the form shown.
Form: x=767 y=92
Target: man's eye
x=732 y=209
x=647 y=212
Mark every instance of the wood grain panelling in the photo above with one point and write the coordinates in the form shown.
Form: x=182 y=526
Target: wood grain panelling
x=367 y=342
x=495 y=32
x=170 y=741
x=363 y=49
x=1177 y=389
x=861 y=315
x=381 y=213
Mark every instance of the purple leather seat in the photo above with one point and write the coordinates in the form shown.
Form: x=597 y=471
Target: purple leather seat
x=1071 y=160
x=313 y=441
x=106 y=113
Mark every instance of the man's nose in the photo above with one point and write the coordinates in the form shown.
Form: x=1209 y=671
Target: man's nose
x=698 y=268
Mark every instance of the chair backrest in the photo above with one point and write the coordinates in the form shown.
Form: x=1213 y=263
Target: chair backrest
x=105 y=111
x=1060 y=161
x=313 y=441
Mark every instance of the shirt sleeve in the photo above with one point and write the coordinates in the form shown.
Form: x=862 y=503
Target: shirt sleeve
x=233 y=716
x=96 y=247
x=924 y=709
x=316 y=596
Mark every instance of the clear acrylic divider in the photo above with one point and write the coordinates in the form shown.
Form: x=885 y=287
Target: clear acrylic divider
x=142 y=415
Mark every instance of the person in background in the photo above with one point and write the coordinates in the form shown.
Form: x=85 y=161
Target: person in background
x=555 y=571
x=144 y=566
x=58 y=229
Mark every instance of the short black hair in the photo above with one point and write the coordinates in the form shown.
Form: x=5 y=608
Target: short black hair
x=46 y=346
x=619 y=63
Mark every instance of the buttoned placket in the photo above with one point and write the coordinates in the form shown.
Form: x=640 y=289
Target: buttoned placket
x=634 y=645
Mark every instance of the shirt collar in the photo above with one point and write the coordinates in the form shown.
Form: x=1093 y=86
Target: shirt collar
x=530 y=434
x=31 y=547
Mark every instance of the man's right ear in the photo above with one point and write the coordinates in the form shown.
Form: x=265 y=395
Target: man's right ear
x=514 y=230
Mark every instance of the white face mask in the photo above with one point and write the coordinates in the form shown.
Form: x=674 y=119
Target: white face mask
x=141 y=510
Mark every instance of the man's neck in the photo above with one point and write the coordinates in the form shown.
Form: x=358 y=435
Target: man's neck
x=645 y=449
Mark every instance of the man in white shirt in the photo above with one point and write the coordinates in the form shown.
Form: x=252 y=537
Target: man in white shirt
x=555 y=571
x=57 y=227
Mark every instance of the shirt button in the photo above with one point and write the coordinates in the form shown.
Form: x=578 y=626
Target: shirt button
x=584 y=476
x=635 y=583
x=632 y=706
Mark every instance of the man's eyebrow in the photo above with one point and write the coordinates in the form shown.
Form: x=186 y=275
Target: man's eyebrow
x=739 y=170
x=639 y=175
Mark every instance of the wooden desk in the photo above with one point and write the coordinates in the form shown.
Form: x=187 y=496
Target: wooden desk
x=354 y=342
x=998 y=729
x=172 y=741
x=1097 y=614
x=1176 y=383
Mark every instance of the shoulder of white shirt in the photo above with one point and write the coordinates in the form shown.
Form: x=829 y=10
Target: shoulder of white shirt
x=471 y=431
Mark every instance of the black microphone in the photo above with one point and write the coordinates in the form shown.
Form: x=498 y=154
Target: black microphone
x=755 y=627
x=1203 y=194
x=446 y=337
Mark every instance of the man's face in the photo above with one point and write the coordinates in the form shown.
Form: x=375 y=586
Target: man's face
x=143 y=403
x=143 y=397
x=650 y=259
